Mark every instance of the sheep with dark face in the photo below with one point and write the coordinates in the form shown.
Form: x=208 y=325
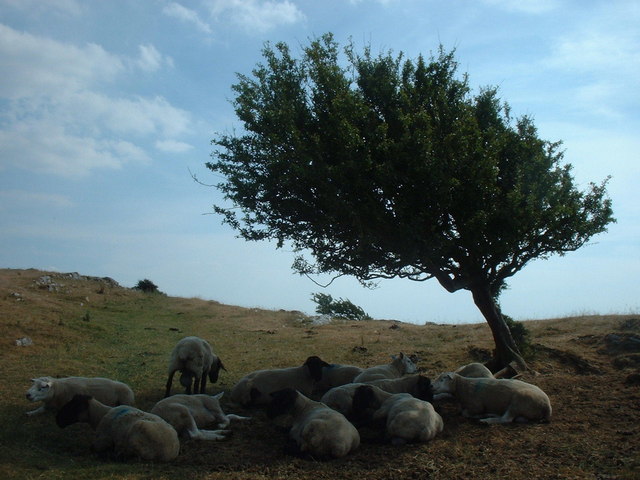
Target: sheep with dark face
x=124 y=430
x=407 y=419
x=56 y=392
x=194 y=358
x=256 y=387
x=495 y=400
x=335 y=375
x=341 y=398
x=400 y=365
x=316 y=429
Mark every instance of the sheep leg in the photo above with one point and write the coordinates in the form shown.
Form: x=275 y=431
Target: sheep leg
x=226 y=420
x=198 y=434
x=37 y=411
x=203 y=383
x=169 y=382
x=506 y=418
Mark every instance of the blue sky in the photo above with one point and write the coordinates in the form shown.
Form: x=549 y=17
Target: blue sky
x=106 y=108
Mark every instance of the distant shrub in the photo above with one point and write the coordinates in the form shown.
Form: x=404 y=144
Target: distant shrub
x=326 y=305
x=147 y=286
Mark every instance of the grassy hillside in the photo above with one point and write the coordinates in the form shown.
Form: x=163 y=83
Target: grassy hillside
x=93 y=327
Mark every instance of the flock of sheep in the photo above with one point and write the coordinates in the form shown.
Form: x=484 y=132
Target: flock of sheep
x=324 y=404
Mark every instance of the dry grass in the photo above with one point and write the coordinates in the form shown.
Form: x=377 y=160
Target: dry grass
x=88 y=327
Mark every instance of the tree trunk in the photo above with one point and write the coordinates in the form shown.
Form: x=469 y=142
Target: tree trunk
x=506 y=350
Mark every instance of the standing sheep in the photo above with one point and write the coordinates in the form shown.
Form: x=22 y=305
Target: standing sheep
x=194 y=358
x=56 y=392
x=400 y=365
x=125 y=430
x=496 y=400
x=317 y=430
x=188 y=413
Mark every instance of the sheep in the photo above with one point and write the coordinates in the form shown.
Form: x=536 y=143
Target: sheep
x=474 y=370
x=335 y=375
x=55 y=392
x=341 y=398
x=256 y=387
x=496 y=400
x=186 y=413
x=125 y=430
x=408 y=419
x=316 y=429
x=195 y=359
x=400 y=365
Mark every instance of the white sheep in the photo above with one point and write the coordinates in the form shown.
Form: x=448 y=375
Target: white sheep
x=335 y=375
x=256 y=387
x=188 y=413
x=55 y=392
x=125 y=430
x=496 y=400
x=408 y=419
x=316 y=429
x=341 y=398
x=400 y=365
x=474 y=370
x=194 y=358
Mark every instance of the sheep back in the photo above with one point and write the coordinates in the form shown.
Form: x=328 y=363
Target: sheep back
x=61 y=390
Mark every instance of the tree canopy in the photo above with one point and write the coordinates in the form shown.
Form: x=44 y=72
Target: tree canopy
x=378 y=166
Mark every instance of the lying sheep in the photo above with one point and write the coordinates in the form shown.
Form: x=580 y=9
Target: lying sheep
x=496 y=400
x=474 y=370
x=188 y=413
x=335 y=375
x=341 y=398
x=55 y=392
x=124 y=430
x=194 y=358
x=316 y=429
x=408 y=419
x=256 y=387
x=400 y=365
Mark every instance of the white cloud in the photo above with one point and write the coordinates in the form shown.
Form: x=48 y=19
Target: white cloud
x=525 y=6
x=173 y=146
x=37 y=66
x=34 y=199
x=151 y=59
x=175 y=10
x=44 y=146
x=256 y=16
x=57 y=119
x=70 y=7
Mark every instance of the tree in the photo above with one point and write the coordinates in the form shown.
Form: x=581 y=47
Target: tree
x=383 y=167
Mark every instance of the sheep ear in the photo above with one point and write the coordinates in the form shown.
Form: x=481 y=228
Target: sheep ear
x=218 y=396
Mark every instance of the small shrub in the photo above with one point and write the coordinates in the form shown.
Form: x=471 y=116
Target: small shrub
x=520 y=336
x=146 y=286
x=341 y=308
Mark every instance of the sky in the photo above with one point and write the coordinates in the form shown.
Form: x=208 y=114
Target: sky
x=108 y=108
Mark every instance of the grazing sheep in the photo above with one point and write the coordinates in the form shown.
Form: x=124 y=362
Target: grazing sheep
x=335 y=375
x=408 y=419
x=187 y=413
x=194 y=358
x=496 y=400
x=55 y=392
x=256 y=387
x=125 y=430
x=400 y=365
x=341 y=398
x=316 y=429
